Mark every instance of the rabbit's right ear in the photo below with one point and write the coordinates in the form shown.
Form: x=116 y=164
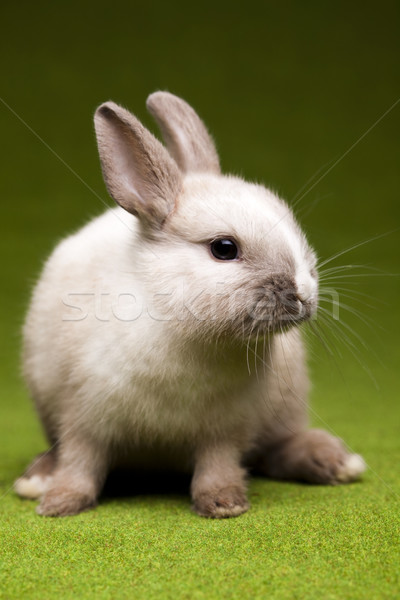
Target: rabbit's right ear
x=184 y=133
x=138 y=171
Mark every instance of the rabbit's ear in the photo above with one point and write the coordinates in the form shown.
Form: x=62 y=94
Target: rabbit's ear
x=185 y=134
x=138 y=171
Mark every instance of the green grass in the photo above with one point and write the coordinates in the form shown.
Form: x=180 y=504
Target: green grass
x=285 y=89
x=297 y=542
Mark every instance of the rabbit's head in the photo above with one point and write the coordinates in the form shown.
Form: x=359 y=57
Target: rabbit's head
x=219 y=255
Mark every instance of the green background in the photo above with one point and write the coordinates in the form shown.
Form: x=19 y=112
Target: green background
x=287 y=89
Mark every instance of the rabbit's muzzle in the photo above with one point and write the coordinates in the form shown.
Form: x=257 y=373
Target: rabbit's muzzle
x=277 y=305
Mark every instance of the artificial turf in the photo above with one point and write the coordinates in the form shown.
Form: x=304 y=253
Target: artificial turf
x=285 y=90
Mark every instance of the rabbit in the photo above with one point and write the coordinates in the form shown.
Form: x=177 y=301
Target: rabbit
x=165 y=334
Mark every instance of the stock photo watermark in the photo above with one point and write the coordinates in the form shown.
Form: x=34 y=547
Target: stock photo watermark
x=182 y=302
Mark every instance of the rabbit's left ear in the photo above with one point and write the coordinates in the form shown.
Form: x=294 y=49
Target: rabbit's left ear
x=138 y=171
x=185 y=134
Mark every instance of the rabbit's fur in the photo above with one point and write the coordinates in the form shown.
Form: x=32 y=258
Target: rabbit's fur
x=143 y=349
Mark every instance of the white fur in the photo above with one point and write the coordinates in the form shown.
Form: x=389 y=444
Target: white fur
x=353 y=467
x=32 y=487
x=306 y=286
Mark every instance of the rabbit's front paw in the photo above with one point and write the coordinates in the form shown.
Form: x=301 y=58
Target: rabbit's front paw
x=63 y=502
x=221 y=503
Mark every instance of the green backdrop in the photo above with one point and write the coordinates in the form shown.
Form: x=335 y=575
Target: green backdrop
x=290 y=90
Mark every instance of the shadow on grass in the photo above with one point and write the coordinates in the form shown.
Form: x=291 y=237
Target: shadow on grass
x=130 y=483
x=134 y=483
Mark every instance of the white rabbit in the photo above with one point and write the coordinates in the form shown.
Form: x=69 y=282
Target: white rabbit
x=164 y=333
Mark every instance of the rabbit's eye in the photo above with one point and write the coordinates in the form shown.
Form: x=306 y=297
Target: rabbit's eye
x=224 y=249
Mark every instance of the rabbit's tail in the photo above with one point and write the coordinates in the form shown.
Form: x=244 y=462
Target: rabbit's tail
x=37 y=478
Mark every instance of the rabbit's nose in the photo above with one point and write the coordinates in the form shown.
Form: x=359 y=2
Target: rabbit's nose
x=283 y=284
x=284 y=289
